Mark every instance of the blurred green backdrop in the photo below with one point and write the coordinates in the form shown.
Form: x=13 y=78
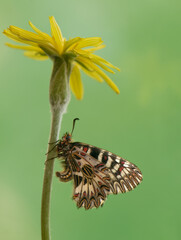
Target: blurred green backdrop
x=141 y=124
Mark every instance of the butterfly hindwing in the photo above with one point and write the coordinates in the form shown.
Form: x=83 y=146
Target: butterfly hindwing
x=124 y=175
x=93 y=185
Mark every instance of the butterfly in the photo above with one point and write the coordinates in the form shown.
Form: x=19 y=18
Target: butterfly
x=96 y=173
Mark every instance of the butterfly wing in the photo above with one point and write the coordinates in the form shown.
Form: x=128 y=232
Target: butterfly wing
x=98 y=173
x=91 y=185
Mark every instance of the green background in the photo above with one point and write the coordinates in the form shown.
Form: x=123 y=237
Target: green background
x=142 y=124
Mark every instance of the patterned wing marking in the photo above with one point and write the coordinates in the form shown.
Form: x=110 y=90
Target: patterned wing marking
x=91 y=184
x=126 y=176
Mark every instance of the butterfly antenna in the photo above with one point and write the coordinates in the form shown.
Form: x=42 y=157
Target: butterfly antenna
x=75 y=119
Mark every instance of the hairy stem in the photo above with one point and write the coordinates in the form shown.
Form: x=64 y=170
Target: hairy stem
x=59 y=99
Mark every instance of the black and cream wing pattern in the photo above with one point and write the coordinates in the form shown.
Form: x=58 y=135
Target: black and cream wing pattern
x=96 y=173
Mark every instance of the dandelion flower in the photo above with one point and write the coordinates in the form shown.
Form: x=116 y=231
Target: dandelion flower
x=79 y=51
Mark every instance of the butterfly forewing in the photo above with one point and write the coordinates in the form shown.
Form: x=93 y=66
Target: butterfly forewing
x=97 y=173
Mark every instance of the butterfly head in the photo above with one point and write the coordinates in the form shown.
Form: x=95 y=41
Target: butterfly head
x=63 y=145
x=67 y=137
x=64 y=142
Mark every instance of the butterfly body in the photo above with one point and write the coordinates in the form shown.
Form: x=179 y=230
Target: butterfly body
x=95 y=172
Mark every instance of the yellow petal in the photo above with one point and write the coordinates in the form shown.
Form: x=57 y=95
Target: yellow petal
x=89 y=71
x=32 y=39
x=95 y=59
x=42 y=34
x=95 y=48
x=35 y=55
x=92 y=74
x=46 y=47
x=101 y=65
x=82 y=52
x=70 y=44
x=28 y=48
x=56 y=34
x=76 y=83
x=24 y=34
x=88 y=42
x=12 y=36
x=83 y=65
x=99 y=72
x=104 y=61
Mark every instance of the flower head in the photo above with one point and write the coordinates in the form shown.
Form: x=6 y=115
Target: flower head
x=80 y=51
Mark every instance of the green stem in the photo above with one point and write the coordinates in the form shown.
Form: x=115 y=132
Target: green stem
x=59 y=99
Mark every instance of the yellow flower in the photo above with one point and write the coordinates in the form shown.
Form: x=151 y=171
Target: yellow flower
x=41 y=46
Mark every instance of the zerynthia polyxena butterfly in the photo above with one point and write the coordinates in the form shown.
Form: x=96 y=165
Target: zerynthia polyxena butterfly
x=95 y=172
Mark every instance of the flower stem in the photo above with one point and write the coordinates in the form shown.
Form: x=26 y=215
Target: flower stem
x=48 y=174
x=59 y=99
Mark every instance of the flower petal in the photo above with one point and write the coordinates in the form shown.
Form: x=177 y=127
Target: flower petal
x=76 y=83
x=93 y=75
x=95 y=48
x=88 y=42
x=35 y=55
x=104 y=61
x=42 y=34
x=82 y=52
x=89 y=63
x=24 y=34
x=101 y=65
x=71 y=43
x=89 y=71
x=95 y=59
x=30 y=38
x=56 y=34
x=28 y=48
x=14 y=37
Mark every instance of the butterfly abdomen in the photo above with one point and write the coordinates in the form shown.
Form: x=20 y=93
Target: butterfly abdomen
x=66 y=174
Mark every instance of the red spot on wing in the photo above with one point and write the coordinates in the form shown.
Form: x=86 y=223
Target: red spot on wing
x=121 y=168
x=76 y=195
x=99 y=165
x=85 y=149
x=83 y=153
